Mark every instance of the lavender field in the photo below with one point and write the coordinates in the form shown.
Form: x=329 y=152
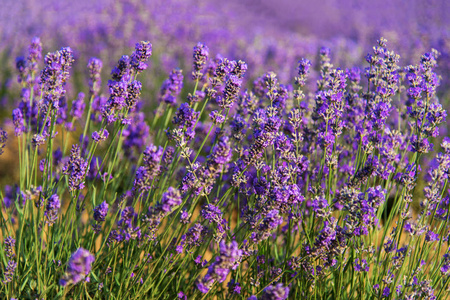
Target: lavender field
x=252 y=149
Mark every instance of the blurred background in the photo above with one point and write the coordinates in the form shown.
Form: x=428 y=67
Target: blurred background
x=268 y=35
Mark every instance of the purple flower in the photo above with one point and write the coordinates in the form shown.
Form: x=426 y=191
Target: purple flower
x=95 y=67
x=35 y=50
x=151 y=167
x=232 y=87
x=229 y=259
x=78 y=267
x=118 y=94
x=271 y=221
x=121 y=71
x=386 y=292
x=18 y=121
x=445 y=269
x=275 y=292
x=431 y=236
x=170 y=200
x=10 y=243
x=141 y=54
x=100 y=212
x=303 y=69
x=234 y=287
x=201 y=53
x=3 y=138
x=221 y=153
x=9 y=271
x=98 y=137
x=185 y=116
x=216 y=117
x=212 y=213
x=184 y=217
x=76 y=168
x=52 y=208
x=361 y=267
x=171 y=87
x=78 y=106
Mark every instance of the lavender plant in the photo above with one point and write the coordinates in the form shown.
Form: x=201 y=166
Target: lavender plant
x=233 y=189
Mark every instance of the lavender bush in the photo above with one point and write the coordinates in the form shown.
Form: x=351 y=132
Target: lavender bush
x=330 y=185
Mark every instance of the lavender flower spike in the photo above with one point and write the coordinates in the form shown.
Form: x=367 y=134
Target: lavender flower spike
x=100 y=212
x=79 y=266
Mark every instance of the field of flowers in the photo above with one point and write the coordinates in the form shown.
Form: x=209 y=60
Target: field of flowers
x=224 y=150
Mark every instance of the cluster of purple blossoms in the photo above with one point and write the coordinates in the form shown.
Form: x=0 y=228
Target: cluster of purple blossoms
x=100 y=136
x=141 y=54
x=362 y=208
x=330 y=243
x=17 y=118
x=136 y=136
x=229 y=259
x=10 y=243
x=54 y=76
x=214 y=215
x=170 y=200
x=52 y=209
x=124 y=90
x=78 y=106
x=266 y=126
x=151 y=168
x=275 y=292
x=28 y=67
x=9 y=271
x=100 y=212
x=171 y=87
x=11 y=266
x=203 y=178
x=78 y=267
x=270 y=222
x=76 y=168
x=3 y=138
x=185 y=118
x=127 y=225
x=201 y=53
x=95 y=81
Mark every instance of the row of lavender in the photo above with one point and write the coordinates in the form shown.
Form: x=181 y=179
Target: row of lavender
x=273 y=191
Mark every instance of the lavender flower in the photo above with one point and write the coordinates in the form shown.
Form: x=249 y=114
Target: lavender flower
x=201 y=53
x=171 y=87
x=134 y=92
x=100 y=212
x=9 y=271
x=10 y=243
x=52 y=209
x=78 y=267
x=230 y=256
x=100 y=136
x=3 y=138
x=121 y=72
x=270 y=222
x=17 y=117
x=170 y=200
x=78 y=106
x=141 y=54
x=95 y=81
x=76 y=168
x=275 y=292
